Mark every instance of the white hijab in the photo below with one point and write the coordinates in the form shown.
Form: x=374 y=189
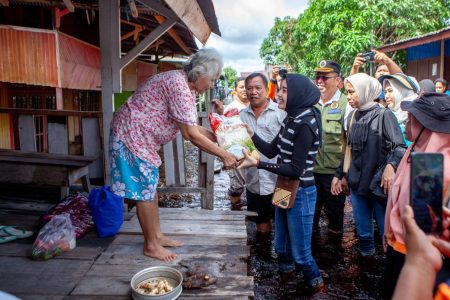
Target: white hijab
x=367 y=88
x=401 y=93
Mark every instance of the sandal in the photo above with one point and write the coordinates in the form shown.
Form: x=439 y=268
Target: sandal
x=12 y=231
x=6 y=239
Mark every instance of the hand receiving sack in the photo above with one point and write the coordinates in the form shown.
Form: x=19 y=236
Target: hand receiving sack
x=247 y=161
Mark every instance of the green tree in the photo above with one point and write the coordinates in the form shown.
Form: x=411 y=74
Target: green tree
x=275 y=47
x=231 y=74
x=339 y=29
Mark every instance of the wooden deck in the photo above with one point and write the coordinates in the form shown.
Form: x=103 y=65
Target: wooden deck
x=215 y=242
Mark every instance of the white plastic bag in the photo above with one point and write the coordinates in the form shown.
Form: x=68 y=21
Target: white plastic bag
x=57 y=236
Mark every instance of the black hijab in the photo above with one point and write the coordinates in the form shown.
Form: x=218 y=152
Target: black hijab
x=302 y=95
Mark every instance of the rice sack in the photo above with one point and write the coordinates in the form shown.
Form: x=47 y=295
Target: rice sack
x=232 y=135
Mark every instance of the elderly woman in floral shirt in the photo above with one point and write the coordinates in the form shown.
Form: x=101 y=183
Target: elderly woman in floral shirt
x=157 y=111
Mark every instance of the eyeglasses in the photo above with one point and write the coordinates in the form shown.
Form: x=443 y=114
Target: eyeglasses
x=324 y=78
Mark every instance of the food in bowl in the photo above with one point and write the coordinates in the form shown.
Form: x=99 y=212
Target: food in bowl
x=154 y=287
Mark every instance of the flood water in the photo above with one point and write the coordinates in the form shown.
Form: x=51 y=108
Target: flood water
x=345 y=275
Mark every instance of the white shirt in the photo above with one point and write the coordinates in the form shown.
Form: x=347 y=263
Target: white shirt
x=235 y=104
x=267 y=126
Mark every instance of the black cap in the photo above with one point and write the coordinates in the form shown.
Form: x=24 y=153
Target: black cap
x=432 y=110
x=327 y=66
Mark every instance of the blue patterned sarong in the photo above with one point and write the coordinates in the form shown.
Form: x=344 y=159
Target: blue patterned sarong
x=131 y=177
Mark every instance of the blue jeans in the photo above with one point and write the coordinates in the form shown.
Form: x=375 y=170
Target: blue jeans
x=364 y=209
x=293 y=230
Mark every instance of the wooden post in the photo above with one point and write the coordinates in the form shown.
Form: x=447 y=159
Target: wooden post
x=59 y=99
x=110 y=61
x=206 y=171
x=178 y=150
x=169 y=164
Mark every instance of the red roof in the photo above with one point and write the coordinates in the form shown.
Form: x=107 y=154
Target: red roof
x=430 y=37
x=79 y=64
x=29 y=56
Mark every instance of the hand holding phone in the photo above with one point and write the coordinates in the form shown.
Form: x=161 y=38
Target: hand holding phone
x=426 y=187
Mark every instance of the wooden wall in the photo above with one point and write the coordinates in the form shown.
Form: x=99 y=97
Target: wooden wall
x=422 y=69
x=5 y=119
x=73 y=122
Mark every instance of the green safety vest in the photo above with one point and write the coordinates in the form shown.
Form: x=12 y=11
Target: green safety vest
x=333 y=136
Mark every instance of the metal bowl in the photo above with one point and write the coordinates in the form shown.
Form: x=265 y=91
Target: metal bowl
x=173 y=276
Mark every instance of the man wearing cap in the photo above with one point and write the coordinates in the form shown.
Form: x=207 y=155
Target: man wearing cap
x=333 y=105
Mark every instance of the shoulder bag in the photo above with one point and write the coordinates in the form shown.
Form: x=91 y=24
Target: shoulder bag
x=285 y=192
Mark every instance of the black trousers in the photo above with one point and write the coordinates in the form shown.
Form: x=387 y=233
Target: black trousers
x=392 y=268
x=334 y=205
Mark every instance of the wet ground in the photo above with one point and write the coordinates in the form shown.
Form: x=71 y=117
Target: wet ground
x=345 y=274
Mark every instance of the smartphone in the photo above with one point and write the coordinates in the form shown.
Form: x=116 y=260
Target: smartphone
x=426 y=195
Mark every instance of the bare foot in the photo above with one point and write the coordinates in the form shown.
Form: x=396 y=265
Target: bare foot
x=168 y=242
x=159 y=252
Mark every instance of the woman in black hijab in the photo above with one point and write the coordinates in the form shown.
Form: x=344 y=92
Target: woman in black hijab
x=296 y=144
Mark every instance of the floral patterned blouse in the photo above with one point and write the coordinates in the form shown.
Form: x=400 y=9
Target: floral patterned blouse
x=148 y=119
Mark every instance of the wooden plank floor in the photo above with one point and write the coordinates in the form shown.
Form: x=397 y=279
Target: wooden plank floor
x=215 y=242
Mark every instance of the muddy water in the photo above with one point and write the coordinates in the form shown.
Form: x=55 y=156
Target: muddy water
x=345 y=275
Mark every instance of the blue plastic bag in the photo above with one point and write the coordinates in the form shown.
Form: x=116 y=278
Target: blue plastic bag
x=107 y=211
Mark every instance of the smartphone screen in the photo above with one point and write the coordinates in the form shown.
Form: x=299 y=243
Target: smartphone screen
x=426 y=190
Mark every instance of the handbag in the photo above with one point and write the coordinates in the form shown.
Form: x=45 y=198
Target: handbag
x=107 y=211
x=285 y=192
x=348 y=148
x=374 y=185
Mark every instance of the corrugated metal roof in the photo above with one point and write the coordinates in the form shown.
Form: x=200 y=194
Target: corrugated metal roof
x=28 y=56
x=424 y=51
x=443 y=33
x=168 y=48
x=79 y=64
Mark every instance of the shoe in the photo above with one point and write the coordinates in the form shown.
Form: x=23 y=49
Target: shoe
x=319 y=288
x=8 y=231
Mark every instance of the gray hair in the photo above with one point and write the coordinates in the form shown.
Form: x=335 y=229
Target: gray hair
x=205 y=63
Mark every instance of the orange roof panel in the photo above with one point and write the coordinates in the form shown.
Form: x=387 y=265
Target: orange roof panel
x=28 y=56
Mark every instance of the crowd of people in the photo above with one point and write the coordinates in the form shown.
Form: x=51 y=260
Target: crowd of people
x=342 y=138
